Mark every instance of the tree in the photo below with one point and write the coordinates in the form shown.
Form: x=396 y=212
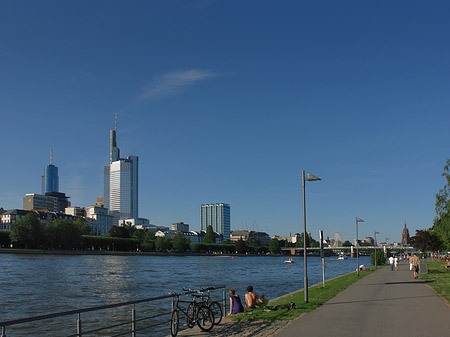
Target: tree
x=425 y=240
x=163 y=243
x=180 y=242
x=441 y=223
x=63 y=234
x=209 y=235
x=83 y=226
x=347 y=244
x=119 y=232
x=381 y=260
x=241 y=246
x=274 y=246
x=28 y=232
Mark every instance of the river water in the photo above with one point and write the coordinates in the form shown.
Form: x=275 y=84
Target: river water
x=32 y=285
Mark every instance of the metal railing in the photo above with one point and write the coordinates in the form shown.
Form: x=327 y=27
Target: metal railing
x=128 y=326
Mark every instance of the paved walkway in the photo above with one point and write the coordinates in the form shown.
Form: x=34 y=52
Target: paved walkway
x=383 y=303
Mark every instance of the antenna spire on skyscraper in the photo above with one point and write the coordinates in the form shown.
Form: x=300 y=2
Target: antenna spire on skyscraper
x=51 y=156
x=115 y=124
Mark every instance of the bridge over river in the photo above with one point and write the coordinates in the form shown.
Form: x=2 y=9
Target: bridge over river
x=351 y=249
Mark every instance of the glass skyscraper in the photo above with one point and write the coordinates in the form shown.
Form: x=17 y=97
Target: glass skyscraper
x=218 y=216
x=50 y=179
x=121 y=183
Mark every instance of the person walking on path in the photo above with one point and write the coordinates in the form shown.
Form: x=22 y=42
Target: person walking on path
x=415 y=261
x=396 y=263
x=391 y=262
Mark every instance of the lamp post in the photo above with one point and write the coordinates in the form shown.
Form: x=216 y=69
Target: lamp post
x=309 y=177
x=357 y=245
x=375 y=242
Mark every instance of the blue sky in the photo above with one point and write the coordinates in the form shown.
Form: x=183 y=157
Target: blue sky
x=227 y=101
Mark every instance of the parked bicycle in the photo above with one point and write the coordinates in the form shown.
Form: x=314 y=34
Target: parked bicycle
x=196 y=312
x=215 y=306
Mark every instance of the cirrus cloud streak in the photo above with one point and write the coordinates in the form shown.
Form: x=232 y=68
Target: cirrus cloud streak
x=173 y=82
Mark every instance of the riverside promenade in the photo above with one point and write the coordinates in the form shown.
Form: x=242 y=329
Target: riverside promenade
x=384 y=303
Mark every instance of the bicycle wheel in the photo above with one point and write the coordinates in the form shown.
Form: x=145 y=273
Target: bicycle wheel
x=216 y=309
x=190 y=315
x=174 y=323
x=205 y=318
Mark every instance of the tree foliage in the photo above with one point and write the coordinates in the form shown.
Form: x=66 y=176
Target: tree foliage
x=163 y=243
x=180 y=243
x=274 y=246
x=83 y=226
x=63 y=234
x=241 y=246
x=441 y=223
x=347 y=244
x=380 y=258
x=28 y=232
x=209 y=235
x=120 y=232
x=426 y=241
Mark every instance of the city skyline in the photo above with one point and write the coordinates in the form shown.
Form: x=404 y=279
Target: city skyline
x=228 y=102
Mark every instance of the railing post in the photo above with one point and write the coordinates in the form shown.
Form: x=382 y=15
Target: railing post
x=224 y=302
x=133 y=321
x=79 y=325
x=3 y=331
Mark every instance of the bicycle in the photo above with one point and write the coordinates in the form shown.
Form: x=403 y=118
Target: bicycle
x=196 y=312
x=215 y=306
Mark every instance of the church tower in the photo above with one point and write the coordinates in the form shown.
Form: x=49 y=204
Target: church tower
x=405 y=237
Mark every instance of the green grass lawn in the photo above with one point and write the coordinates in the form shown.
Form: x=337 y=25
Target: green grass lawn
x=438 y=278
x=317 y=296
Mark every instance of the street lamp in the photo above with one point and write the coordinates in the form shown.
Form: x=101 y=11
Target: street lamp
x=357 y=245
x=309 y=177
x=375 y=242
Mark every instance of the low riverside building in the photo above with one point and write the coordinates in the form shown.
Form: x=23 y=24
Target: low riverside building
x=245 y=235
x=291 y=239
x=44 y=216
x=11 y=216
x=168 y=233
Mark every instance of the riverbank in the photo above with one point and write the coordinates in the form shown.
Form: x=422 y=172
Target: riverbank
x=265 y=323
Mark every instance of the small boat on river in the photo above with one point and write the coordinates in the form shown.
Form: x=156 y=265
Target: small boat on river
x=342 y=256
x=290 y=260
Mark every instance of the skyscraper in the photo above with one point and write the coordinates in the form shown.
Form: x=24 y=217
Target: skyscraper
x=50 y=179
x=120 y=182
x=218 y=216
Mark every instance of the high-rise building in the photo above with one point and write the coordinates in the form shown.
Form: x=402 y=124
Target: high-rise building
x=218 y=216
x=405 y=237
x=120 y=182
x=50 y=179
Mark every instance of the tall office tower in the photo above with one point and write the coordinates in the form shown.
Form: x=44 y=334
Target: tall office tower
x=405 y=237
x=50 y=179
x=120 y=182
x=218 y=216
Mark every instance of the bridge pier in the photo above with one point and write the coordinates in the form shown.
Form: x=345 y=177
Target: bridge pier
x=352 y=252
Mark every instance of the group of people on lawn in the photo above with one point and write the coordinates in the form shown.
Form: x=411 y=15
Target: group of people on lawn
x=252 y=301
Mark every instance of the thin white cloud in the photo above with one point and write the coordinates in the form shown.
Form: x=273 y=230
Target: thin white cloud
x=173 y=82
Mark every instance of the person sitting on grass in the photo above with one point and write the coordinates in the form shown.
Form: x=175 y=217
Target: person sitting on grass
x=251 y=299
x=235 y=303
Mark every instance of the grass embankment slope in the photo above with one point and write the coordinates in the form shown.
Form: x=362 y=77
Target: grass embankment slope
x=317 y=295
x=438 y=278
